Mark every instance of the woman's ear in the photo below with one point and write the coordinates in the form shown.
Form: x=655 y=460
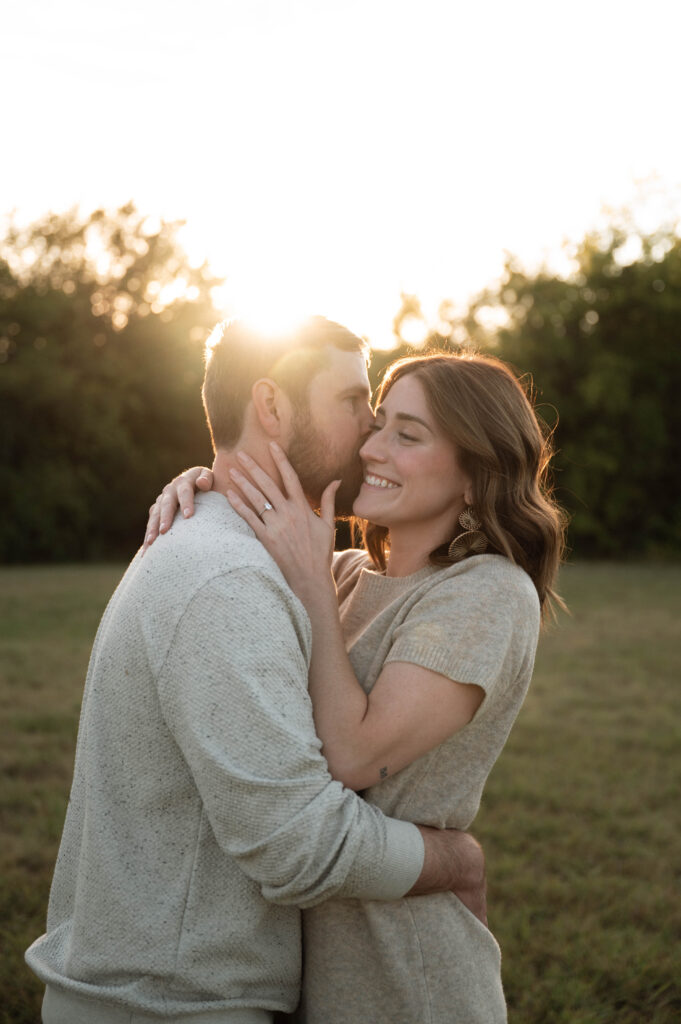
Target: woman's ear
x=272 y=407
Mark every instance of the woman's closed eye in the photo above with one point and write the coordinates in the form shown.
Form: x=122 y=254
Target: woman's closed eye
x=402 y=435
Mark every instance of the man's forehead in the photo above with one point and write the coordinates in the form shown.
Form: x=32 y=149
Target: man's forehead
x=345 y=372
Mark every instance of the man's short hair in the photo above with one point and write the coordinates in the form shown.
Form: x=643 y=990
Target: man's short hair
x=237 y=356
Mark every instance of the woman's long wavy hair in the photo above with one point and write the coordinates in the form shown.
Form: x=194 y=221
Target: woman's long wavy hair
x=482 y=407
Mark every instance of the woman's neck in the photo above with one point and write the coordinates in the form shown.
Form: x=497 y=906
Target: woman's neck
x=408 y=552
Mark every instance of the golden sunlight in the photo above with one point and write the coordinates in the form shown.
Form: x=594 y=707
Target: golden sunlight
x=265 y=305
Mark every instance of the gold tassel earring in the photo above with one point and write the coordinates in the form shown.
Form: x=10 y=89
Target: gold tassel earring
x=472 y=541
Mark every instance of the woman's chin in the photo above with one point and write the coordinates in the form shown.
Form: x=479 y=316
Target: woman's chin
x=359 y=507
x=362 y=509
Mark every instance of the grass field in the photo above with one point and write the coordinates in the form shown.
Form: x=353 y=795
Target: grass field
x=581 y=819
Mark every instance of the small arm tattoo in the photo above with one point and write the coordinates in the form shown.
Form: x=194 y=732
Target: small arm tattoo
x=383 y=773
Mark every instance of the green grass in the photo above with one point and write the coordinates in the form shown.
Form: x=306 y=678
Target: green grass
x=581 y=819
x=581 y=816
x=48 y=618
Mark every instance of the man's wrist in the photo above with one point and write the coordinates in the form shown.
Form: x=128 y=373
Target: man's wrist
x=453 y=862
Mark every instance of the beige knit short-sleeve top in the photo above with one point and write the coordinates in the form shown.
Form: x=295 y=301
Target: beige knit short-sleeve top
x=474 y=622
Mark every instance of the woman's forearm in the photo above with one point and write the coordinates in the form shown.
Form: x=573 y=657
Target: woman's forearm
x=339 y=703
x=410 y=710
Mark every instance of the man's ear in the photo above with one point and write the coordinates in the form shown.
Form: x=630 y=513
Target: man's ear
x=272 y=407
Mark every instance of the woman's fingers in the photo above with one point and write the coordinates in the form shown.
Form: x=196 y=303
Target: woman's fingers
x=185 y=497
x=204 y=481
x=327 y=508
x=179 y=493
x=262 y=480
x=169 y=505
x=288 y=473
x=152 y=524
x=257 y=500
x=246 y=513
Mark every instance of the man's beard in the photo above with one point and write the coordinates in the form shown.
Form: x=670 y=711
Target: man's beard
x=316 y=466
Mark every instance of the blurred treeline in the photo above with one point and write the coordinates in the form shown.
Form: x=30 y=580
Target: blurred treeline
x=102 y=325
x=600 y=350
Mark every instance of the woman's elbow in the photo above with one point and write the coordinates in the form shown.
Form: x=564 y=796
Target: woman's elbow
x=352 y=772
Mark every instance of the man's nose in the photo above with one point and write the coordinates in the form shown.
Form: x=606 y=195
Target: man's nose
x=367 y=424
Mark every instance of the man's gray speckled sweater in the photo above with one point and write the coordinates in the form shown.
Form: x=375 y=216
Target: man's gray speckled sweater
x=202 y=814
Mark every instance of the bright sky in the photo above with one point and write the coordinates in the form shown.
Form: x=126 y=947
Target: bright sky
x=328 y=153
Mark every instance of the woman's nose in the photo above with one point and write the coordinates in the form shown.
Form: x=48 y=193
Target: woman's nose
x=372 y=448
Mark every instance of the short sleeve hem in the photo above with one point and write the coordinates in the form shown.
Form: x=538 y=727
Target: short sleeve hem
x=459 y=670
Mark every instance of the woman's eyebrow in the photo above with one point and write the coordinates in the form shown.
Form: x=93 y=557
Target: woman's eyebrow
x=406 y=416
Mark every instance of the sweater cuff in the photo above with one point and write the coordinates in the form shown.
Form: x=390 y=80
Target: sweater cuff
x=403 y=862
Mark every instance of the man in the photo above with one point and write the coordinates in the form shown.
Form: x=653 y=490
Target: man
x=202 y=814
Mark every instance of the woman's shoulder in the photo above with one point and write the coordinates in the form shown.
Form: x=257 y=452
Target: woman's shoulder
x=486 y=577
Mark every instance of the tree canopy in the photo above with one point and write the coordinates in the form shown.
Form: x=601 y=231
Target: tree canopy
x=102 y=324
x=602 y=346
x=102 y=327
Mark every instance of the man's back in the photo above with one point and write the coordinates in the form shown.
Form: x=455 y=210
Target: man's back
x=146 y=909
x=202 y=813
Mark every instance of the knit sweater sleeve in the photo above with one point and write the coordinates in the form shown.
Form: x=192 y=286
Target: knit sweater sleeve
x=233 y=693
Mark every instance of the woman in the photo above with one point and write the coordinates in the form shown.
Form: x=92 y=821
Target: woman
x=423 y=648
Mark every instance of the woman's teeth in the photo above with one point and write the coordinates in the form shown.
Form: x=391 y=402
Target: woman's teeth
x=378 y=481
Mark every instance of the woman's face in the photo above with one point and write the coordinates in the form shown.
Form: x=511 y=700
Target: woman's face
x=411 y=473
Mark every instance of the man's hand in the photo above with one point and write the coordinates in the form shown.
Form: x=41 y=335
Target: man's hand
x=179 y=493
x=454 y=861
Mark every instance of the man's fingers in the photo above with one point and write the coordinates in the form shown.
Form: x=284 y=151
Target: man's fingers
x=204 y=481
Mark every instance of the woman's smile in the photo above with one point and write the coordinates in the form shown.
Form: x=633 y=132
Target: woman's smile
x=373 y=480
